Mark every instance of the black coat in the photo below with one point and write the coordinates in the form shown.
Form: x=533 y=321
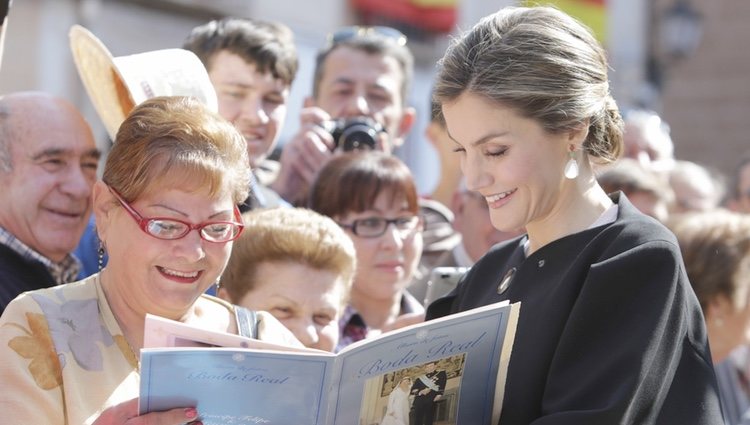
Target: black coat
x=609 y=332
x=18 y=275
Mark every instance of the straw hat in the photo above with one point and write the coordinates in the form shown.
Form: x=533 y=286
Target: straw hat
x=2 y=36
x=116 y=85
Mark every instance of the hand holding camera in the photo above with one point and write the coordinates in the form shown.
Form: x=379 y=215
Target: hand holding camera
x=358 y=133
x=313 y=145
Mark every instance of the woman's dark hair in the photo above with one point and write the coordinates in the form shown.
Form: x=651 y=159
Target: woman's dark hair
x=353 y=181
x=542 y=63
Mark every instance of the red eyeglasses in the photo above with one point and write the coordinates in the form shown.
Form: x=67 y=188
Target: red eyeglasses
x=171 y=228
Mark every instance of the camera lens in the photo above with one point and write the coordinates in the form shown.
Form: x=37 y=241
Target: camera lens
x=357 y=136
x=358 y=133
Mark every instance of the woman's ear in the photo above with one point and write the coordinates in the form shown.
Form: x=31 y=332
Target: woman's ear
x=577 y=135
x=224 y=294
x=103 y=204
x=408 y=119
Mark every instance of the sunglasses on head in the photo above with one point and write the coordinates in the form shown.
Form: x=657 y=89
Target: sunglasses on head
x=353 y=32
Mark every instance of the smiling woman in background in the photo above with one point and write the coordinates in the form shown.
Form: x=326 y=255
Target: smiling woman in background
x=610 y=331
x=372 y=196
x=165 y=211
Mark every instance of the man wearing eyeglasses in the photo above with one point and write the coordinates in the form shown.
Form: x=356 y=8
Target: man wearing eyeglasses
x=48 y=162
x=361 y=72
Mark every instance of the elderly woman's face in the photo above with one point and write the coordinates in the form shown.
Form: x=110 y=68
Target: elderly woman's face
x=165 y=277
x=305 y=299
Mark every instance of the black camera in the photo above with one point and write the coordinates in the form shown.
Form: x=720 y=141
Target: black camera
x=357 y=133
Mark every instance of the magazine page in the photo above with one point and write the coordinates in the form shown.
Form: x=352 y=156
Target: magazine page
x=228 y=386
x=236 y=385
x=454 y=366
x=160 y=332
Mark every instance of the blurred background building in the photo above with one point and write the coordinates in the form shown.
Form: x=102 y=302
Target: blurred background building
x=686 y=59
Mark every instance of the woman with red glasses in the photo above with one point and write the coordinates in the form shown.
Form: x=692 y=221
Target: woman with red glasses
x=372 y=195
x=166 y=214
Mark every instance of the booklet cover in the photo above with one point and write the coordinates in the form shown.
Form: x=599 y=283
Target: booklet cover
x=463 y=357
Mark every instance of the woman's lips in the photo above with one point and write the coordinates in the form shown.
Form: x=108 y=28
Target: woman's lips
x=180 y=276
x=499 y=199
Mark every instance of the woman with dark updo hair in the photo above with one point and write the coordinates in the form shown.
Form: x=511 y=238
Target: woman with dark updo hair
x=610 y=331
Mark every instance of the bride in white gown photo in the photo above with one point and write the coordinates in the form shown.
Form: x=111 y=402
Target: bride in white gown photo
x=397 y=412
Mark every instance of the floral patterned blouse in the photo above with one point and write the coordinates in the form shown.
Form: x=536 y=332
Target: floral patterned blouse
x=64 y=359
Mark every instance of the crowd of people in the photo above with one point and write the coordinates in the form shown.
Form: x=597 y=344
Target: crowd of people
x=631 y=265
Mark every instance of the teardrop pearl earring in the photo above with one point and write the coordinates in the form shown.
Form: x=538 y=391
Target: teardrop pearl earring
x=571 y=168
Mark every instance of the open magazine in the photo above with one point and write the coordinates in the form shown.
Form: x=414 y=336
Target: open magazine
x=245 y=381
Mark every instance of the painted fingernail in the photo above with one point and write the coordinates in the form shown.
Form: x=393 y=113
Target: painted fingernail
x=191 y=413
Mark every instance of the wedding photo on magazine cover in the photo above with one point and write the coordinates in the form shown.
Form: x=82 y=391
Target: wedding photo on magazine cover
x=414 y=394
x=452 y=369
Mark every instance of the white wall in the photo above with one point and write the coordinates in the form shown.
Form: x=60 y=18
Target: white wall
x=628 y=25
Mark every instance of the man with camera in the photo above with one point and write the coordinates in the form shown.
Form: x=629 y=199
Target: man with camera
x=362 y=78
x=360 y=87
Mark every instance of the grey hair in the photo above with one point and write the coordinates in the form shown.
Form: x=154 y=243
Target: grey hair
x=542 y=63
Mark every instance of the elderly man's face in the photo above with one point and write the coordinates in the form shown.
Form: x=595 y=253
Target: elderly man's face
x=45 y=199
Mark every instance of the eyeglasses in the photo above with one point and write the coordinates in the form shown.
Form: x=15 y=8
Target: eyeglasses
x=170 y=228
x=373 y=227
x=352 y=32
